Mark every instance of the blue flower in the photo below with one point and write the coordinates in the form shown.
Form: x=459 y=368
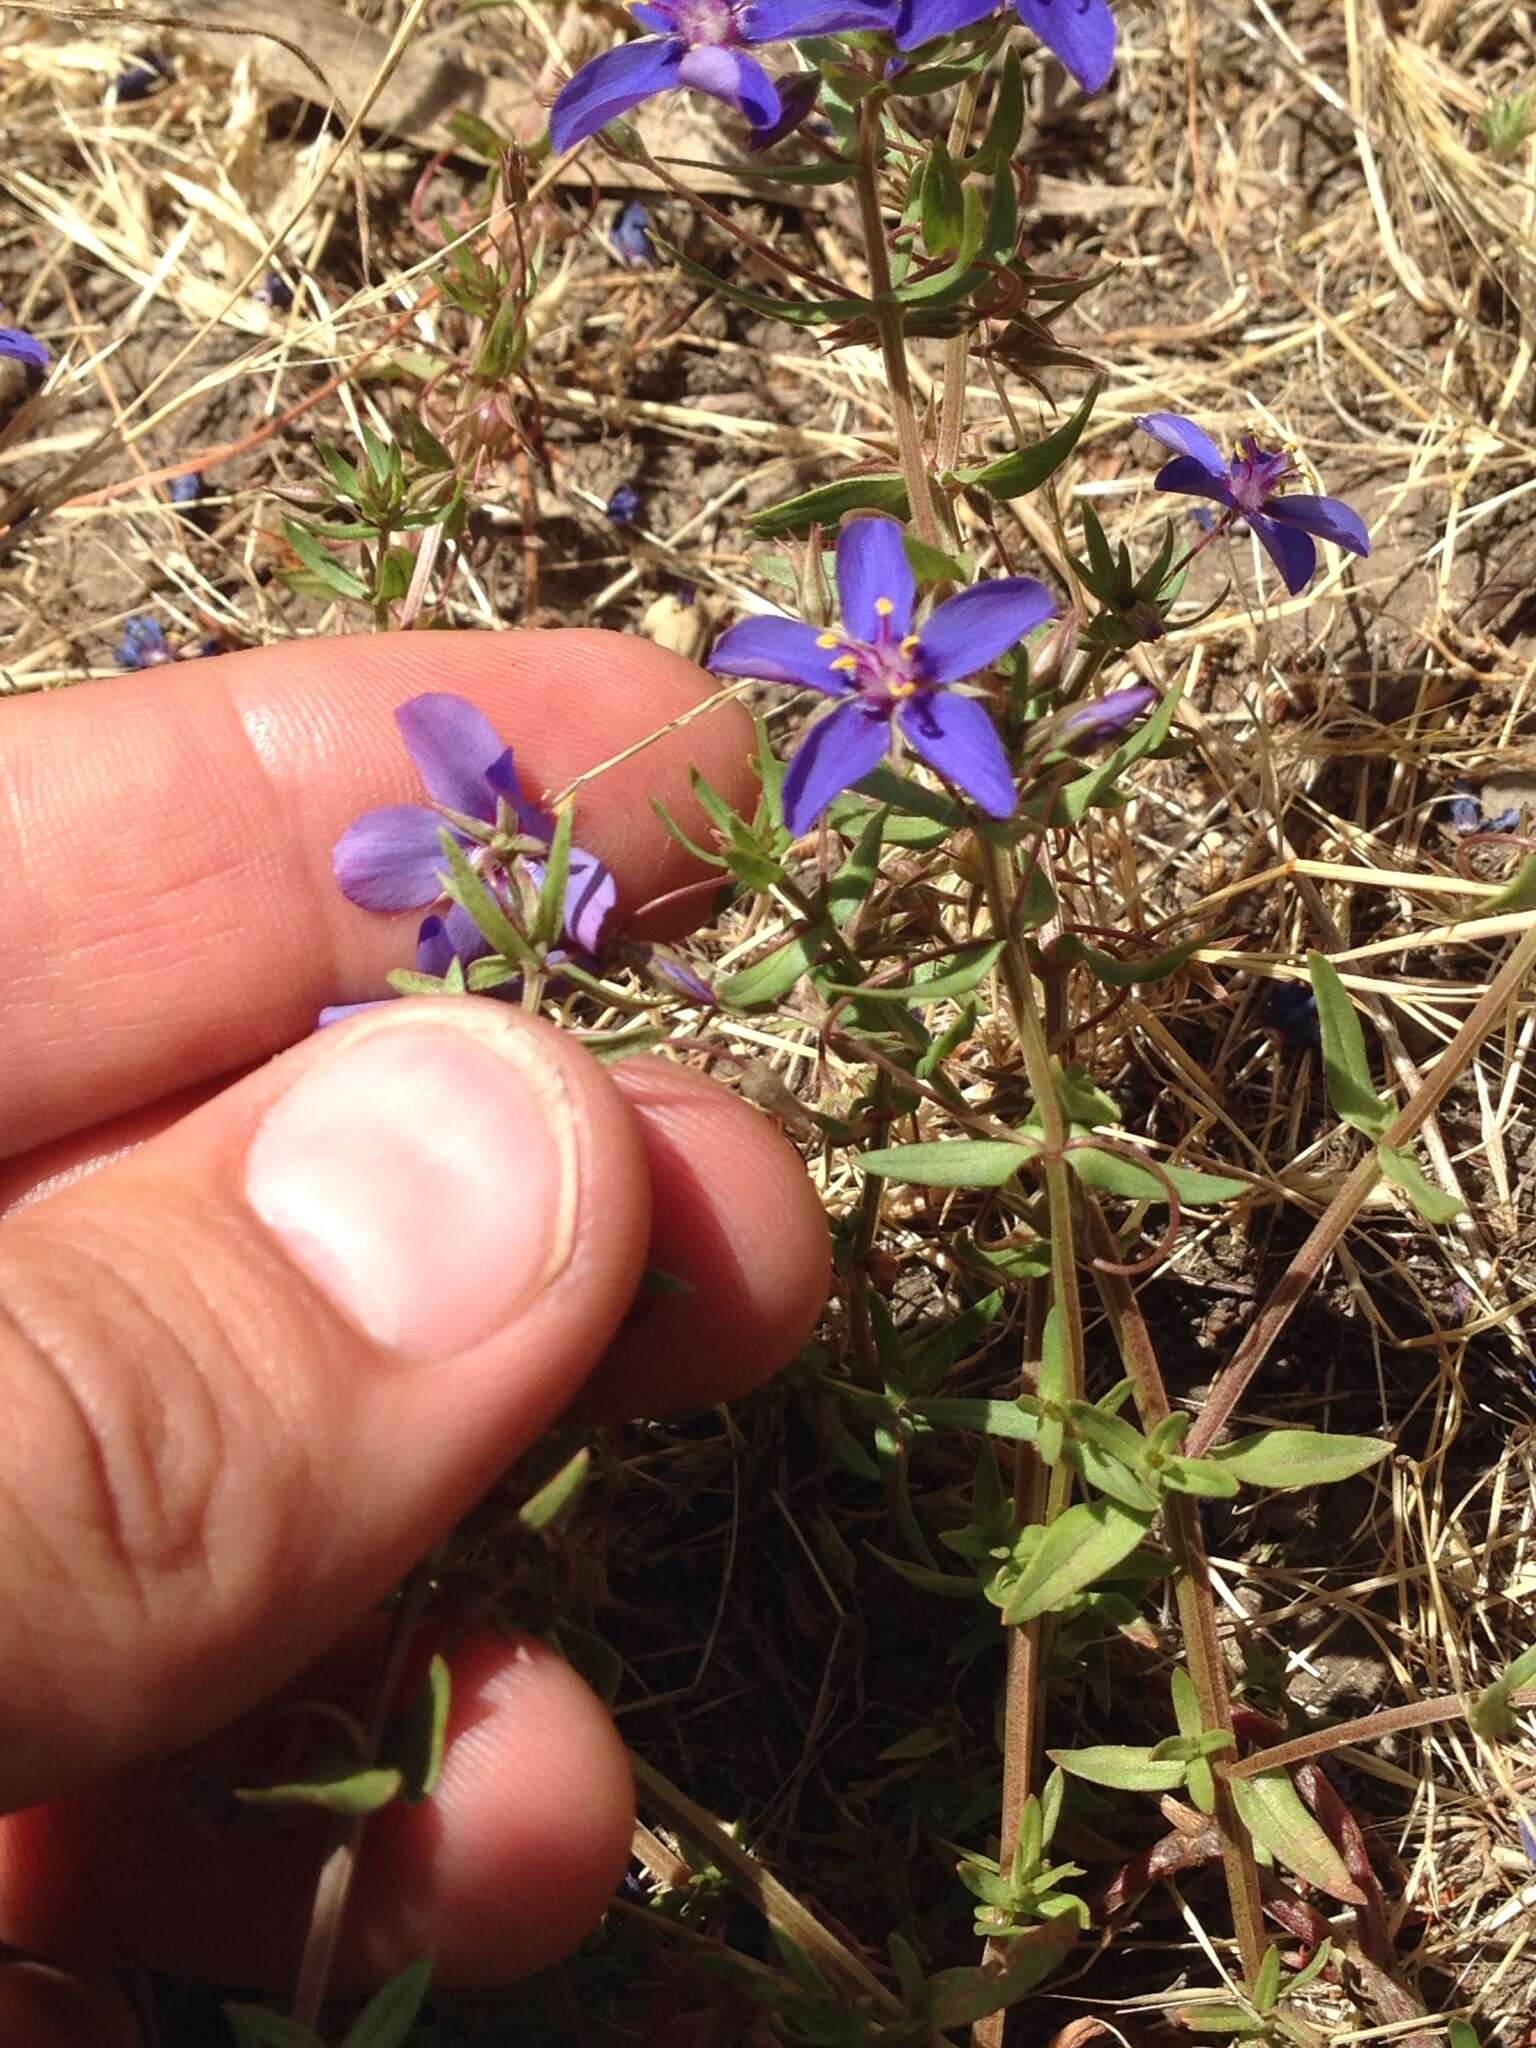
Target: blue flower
x=17 y=346
x=699 y=43
x=392 y=859
x=623 y=508
x=1080 y=32
x=1248 y=485
x=143 y=644
x=139 y=80
x=187 y=489
x=888 y=679
x=632 y=237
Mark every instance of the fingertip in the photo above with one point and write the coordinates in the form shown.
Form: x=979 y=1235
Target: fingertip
x=41 y=2007
x=735 y=1220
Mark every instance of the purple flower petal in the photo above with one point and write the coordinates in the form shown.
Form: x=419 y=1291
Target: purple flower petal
x=591 y=902
x=453 y=746
x=391 y=859
x=740 y=81
x=338 y=1013
x=835 y=753
x=462 y=939
x=971 y=630
x=435 y=952
x=875 y=584
x=780 y=21
x=610 y=85
x=1080 y=32
x=1291 y=550
x=1104 y=718
x=661 y=21
x=956 y=736
x=26 y=349
x=503 y=777
x=779 y=651
x=921 y=21
x=1329 y=518
x=797 y=92
x=1193 y=479
x=1185 y=438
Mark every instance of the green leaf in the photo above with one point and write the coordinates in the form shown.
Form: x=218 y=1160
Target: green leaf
x=1275 y=1814
x=386 y=2020
x=1127 y=1769
x=1399 y=1166
x=1232 y=2020
x=1111 y=1173
x=549 y=912
x=1266 y=1984
x=961 y=1997
x=338 y=581
x=776 y=974
x=414 y=1738
x=949 y=1585
x=949 y=1162
x=1084 y=1544
x=1026 y=469
x=350 y=1791
x=1459 y=2034
x=826 y=505
x=1004 y=1419
x=1186 y=1702
x=1198 y=1476
x=254 y=2027
x=1518 y=894
x=796 y=312
x=1007 y=123
x=941 y=203
x=1321 y=1957
x=471 y=893
x=1493 y=1715
x=935 y=987
x=1288 y=1458
x=932 y=565
x=557 y=1496
x=1115 y=973
x=1346 y=1067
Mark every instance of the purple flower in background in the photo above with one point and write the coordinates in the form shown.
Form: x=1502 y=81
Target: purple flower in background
x=1080 y=32
x=139 y=80
x=1249 y=486
x=1086 y=726
x=17 y=346
x=700 y=43
x=392 y=859
x=623 y=508
x=888 y=679
x=186 y=490
x=143 y=644
x=632 y=237
x=274 y=291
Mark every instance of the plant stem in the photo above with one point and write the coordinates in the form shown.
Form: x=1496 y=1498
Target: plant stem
x=888 y=320
x=957 y=350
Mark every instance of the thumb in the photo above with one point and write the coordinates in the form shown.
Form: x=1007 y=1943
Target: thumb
x=252 y=1371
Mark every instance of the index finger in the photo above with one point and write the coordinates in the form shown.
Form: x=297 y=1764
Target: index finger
x=169 y=907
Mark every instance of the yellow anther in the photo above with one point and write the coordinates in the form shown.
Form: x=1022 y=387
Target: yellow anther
x=849 y=662
x=828 y=640
x=884 y=607
x=910 y=644
x=900 y=690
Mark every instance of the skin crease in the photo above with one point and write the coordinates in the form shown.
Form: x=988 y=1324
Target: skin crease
x=221 y=937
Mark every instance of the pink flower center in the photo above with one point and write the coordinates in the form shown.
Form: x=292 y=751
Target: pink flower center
x=1256 y=476
x=884 y=670
x=708 y=24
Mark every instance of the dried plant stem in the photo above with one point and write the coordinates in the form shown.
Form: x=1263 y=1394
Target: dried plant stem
x=888 y=319
x=1445 y=1706
x=957 y=350
x=1192 y=1591
x=1346 y=1204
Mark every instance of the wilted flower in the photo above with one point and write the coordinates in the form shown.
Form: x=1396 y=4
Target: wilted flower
x=623 y=507
x=1080 y=32
x=700 y=43
x=139 y=80
x=17 y=346
x=143 y=644
x=888 y=678
x=632 y=237
x=274 y=291
x=392 y=859
x=1248 y=485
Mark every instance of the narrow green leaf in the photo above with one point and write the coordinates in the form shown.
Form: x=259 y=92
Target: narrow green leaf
x=1399 y=1166
x=932 y=565
x=415 y=1738
x=254 y=2027
x=1084 y=1544
x=1518 y=894
x=1007 y=123
x=387 y=2018
x=936 y=987
x=949 y=1162
x=948 y=1585
x=776 y=974
x=1026 y=469
x=339 y=581
x=1111 y=1173
x=351 y=1792
x=827 y=504
x=796 y=312
x=1233 y=2020
x=961 y=1997
x=941 y=206
x=1288 y=1458
x=1493 y=1715
x=1346 y=1065
x=1117 y=1764
x=1198 y=1476
x=549 y=912
x=1186 y=1702
x=1004 y=1419
x=557 y=1496
x=471 y=893
x=1275 y=1814
x=1115 y=973
x=1266 y=1985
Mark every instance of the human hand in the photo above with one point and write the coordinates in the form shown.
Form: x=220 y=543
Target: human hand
x=263 y=1340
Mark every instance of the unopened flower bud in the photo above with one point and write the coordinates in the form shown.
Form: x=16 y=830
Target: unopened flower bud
x=1052 y=657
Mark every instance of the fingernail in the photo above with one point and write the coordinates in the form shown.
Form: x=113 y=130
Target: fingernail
x=423 y=1177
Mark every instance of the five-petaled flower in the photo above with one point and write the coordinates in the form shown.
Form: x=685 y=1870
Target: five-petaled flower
x=1249 y=486
x=1080 y=32
x=392 y=859
x=701 y=43
x=888 y=679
